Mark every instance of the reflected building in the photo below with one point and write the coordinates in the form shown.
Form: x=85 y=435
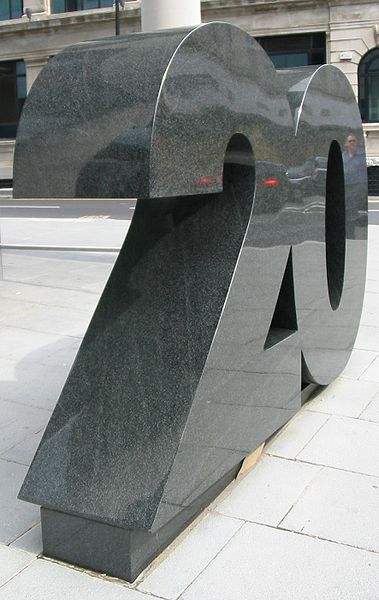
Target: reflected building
x=301 y=34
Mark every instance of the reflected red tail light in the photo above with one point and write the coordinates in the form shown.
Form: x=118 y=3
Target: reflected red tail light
x=203 y=181
x=270 y=181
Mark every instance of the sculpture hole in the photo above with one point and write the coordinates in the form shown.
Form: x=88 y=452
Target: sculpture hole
x=284 y=320
x=335 y=225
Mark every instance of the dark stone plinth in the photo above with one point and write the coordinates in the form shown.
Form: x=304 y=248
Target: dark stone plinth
x=116 y=551
x=238 y=286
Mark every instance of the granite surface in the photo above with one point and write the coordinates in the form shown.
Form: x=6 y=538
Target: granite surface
x=240 y=281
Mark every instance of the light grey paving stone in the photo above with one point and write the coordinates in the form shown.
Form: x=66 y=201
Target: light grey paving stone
x=292 y=439
x=372 y=372
x=45 y=580
x=32 y=383
x=17 y=517
x=48 y=295
x=339 y=506
x=18 y=423
x=17 y=344
x=370 y=310
x=190 y=557
x=12 y=561
x=372 y=286
x=31 y=541
x=267 y=493
x=344 y=443
x=263 y=563
x=359 y=361
x=62 y=352
x=346 y=397
x=371 y=413
x=372 y=274
x=23 y=452
x=64 y=231
x=73 y=271
x=368 y=337
x=11 y=309
x=51 y=319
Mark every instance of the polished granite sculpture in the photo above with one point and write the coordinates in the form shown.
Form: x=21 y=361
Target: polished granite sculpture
x=239 y=284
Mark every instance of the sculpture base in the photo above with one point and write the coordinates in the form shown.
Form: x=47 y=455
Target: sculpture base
x=115 y=551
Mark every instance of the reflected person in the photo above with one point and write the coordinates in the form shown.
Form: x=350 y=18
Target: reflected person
x=355 y=170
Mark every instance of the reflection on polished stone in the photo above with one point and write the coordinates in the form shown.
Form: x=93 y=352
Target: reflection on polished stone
x=239 y=284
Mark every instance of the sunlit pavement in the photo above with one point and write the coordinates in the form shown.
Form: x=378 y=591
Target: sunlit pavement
x=303 y=524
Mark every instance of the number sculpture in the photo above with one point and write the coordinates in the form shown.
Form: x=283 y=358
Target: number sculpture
x=239 y=284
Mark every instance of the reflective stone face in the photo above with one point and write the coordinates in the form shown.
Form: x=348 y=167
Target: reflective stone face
x=240 y=281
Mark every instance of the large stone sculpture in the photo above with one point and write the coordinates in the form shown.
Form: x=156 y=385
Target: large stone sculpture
x=240 y=281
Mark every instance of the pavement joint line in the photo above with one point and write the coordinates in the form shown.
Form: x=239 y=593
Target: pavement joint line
x=308 y=462
x=309 y=535
x=319 y=412
x=27 y=206
x=316 y=432
x=31 y=303
x=18 y=403
x=324 y=539
x=371 y=363
x=59 y=248
x=51 y=287
x=19 y=536
x=216 y=555
x=306 y=487
x=66 y=335
x=18 y=572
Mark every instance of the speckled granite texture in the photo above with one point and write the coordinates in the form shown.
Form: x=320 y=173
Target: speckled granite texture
x=240 y=281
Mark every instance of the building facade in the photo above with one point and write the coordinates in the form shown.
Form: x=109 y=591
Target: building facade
x=293 y=32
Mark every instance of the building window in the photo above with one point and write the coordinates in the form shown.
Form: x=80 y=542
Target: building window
x=288 y=51
x=12 y=96
x=10 y=9
x=368 y=86
x=59 y=6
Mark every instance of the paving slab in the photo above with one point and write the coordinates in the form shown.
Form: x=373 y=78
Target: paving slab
x=345 y=397
x=23 y=452
x=17 y=517
x=47 y=295
x=371 y=413
x=77 y=271
x=372 y=286
x=12 y=562
x=372 y=372
x=223 y=557
x=269 y=491
x=292 y=439
x=339 y=506
x=52 y=319
x=30 y=541
x=12 y=308
x=372 y=273
x=345 y=443
x=370 y=310
x=191 y=557
x=46 y=348
x=368 y=337
x=64 y=231
x=46 y=580
x=32 y=383
x=359 y=362
x=264 y=563
x=17 y=424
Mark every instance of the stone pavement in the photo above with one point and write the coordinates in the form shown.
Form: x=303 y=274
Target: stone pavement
x=302 y=525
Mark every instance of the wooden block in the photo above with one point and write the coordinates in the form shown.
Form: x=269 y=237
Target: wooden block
x=250 y=461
